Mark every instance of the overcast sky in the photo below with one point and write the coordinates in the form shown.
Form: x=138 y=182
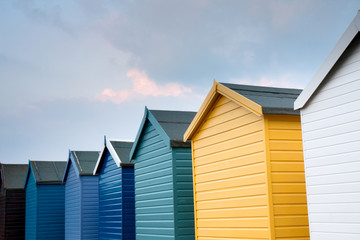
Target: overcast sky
x=72 y=71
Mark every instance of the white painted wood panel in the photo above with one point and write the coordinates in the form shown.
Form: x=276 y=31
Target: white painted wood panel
x=331 y=140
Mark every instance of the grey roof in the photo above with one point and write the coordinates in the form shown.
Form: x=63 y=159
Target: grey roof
x=13 y=175
x=174 y=123
x=122 y=149
x=272 y=100
x=85 y=161
x=48 y=172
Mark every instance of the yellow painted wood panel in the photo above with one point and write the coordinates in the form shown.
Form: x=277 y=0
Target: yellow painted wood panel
x=232 y=182
x=288 y=177
x=236 y=233
x=227 y=135
x=234 y=223
x=229 y=174
x=260 y=200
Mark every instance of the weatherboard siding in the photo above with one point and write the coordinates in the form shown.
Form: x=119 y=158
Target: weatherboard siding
x=110 y=204
x=230 y=186
x=154 y=187
x=51 y=212
x=90 y=207
x=331 y=138
x=288 y=178
x=31 y=208
x=72 y=205
x=183 y=194
x=128 y=200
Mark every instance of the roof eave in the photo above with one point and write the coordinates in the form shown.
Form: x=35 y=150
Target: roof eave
x=216 y=90
x=329 y=62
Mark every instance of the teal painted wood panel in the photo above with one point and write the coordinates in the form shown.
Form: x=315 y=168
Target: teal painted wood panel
x=183 y=194
x=153 y=187
x=31 y=209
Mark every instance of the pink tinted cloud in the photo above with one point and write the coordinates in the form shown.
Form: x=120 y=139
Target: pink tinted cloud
x=142 y=86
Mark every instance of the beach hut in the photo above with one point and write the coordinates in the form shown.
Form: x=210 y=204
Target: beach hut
x=163 y=177
x=12 y=201
x=330 y=115
x=116 y=191
x=248 y=170
x=45 y=200
x=81 y=196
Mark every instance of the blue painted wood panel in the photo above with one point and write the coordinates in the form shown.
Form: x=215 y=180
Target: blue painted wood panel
x=154 y=187
x=31 y=209
x=51 y=212
x=128 y=203
x=183 y=194
x=72 y=204
x=90 y=207
x=110 y=199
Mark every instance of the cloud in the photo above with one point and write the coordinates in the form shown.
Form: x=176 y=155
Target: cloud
x=142 y=86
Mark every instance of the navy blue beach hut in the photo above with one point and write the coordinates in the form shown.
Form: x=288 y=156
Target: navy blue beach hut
x=163 y=177
x=116 y=191
x=81 y=196
x=12 y=201
x=45 y=197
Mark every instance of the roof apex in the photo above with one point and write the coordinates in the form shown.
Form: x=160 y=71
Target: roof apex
x=344 y=41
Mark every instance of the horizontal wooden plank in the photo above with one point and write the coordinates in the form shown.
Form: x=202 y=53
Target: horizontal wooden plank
x=283 y=221
x=287 y=166
x=285 y=134
x=260 y=200
x=280 y=210
x=292 y=232
x=228 y=134
x=232 y=192
x=288 y=188
x=261 y=222
x=230 y=154
x=288 y=177
x=231 y=182
x=233 y=172
x=233 y=213
x=229 y=144
x=234 y=233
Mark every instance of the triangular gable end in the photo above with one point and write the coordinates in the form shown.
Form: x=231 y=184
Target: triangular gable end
x=340 y=47
x=70 y=160
x=110 y=148
x=219 y=90
x=148 y=117
x=28 y=174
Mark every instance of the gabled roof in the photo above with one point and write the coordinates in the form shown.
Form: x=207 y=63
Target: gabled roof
x=46 y=172
x=170 y=124
x=259 y=100
x=84 y=162
x=340 y=47
x=13 y=175
x=119 y=150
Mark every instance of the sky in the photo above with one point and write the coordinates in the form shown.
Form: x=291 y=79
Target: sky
x=74 y=71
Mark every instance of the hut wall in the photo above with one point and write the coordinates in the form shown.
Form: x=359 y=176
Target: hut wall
x=90 y=207
x=15 y=214
x=110 y=204
x=288 y=188
x=31 y=209
x=72 y=205
x=331 y=126
x=183 y=194
x=51 y=212
x=128 y=203
x=154 y=198
x=230 y=183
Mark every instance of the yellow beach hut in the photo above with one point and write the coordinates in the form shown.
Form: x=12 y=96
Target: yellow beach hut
x=248 y=169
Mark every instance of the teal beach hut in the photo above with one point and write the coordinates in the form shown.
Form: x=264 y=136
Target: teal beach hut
x=45 y=203
x=163 y=177
x=81 y=196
